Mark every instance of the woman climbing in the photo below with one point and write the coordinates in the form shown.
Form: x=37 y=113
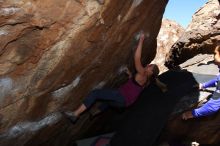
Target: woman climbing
x=128 y=92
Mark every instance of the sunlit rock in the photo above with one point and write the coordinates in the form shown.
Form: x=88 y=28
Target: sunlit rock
x=200 y=36
x=170 y=32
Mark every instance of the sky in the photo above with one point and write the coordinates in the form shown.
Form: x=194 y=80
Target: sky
x=181 y=11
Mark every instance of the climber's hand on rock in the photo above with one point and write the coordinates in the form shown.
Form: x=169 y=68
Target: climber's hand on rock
x=187 y=115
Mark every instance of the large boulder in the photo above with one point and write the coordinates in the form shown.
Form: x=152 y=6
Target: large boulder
x=54 y=52
x=200 y=36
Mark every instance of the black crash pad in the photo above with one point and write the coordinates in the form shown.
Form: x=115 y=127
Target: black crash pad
x=147 y=116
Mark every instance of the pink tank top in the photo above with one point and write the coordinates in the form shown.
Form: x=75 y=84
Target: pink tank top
x=130 y=91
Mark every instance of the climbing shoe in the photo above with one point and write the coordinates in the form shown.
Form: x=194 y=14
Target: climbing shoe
x=70 y=116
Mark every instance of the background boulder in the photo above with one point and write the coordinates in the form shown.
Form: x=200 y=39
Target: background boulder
x=170 y=32
x=200 y=36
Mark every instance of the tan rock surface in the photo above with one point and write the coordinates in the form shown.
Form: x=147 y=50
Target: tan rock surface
x=170 y=32
x=54 y=52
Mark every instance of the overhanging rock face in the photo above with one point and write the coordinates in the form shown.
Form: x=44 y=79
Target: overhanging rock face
x=54 y=52
x=199 y=37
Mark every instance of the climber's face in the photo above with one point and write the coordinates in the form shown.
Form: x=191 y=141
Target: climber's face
x=217 y=55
